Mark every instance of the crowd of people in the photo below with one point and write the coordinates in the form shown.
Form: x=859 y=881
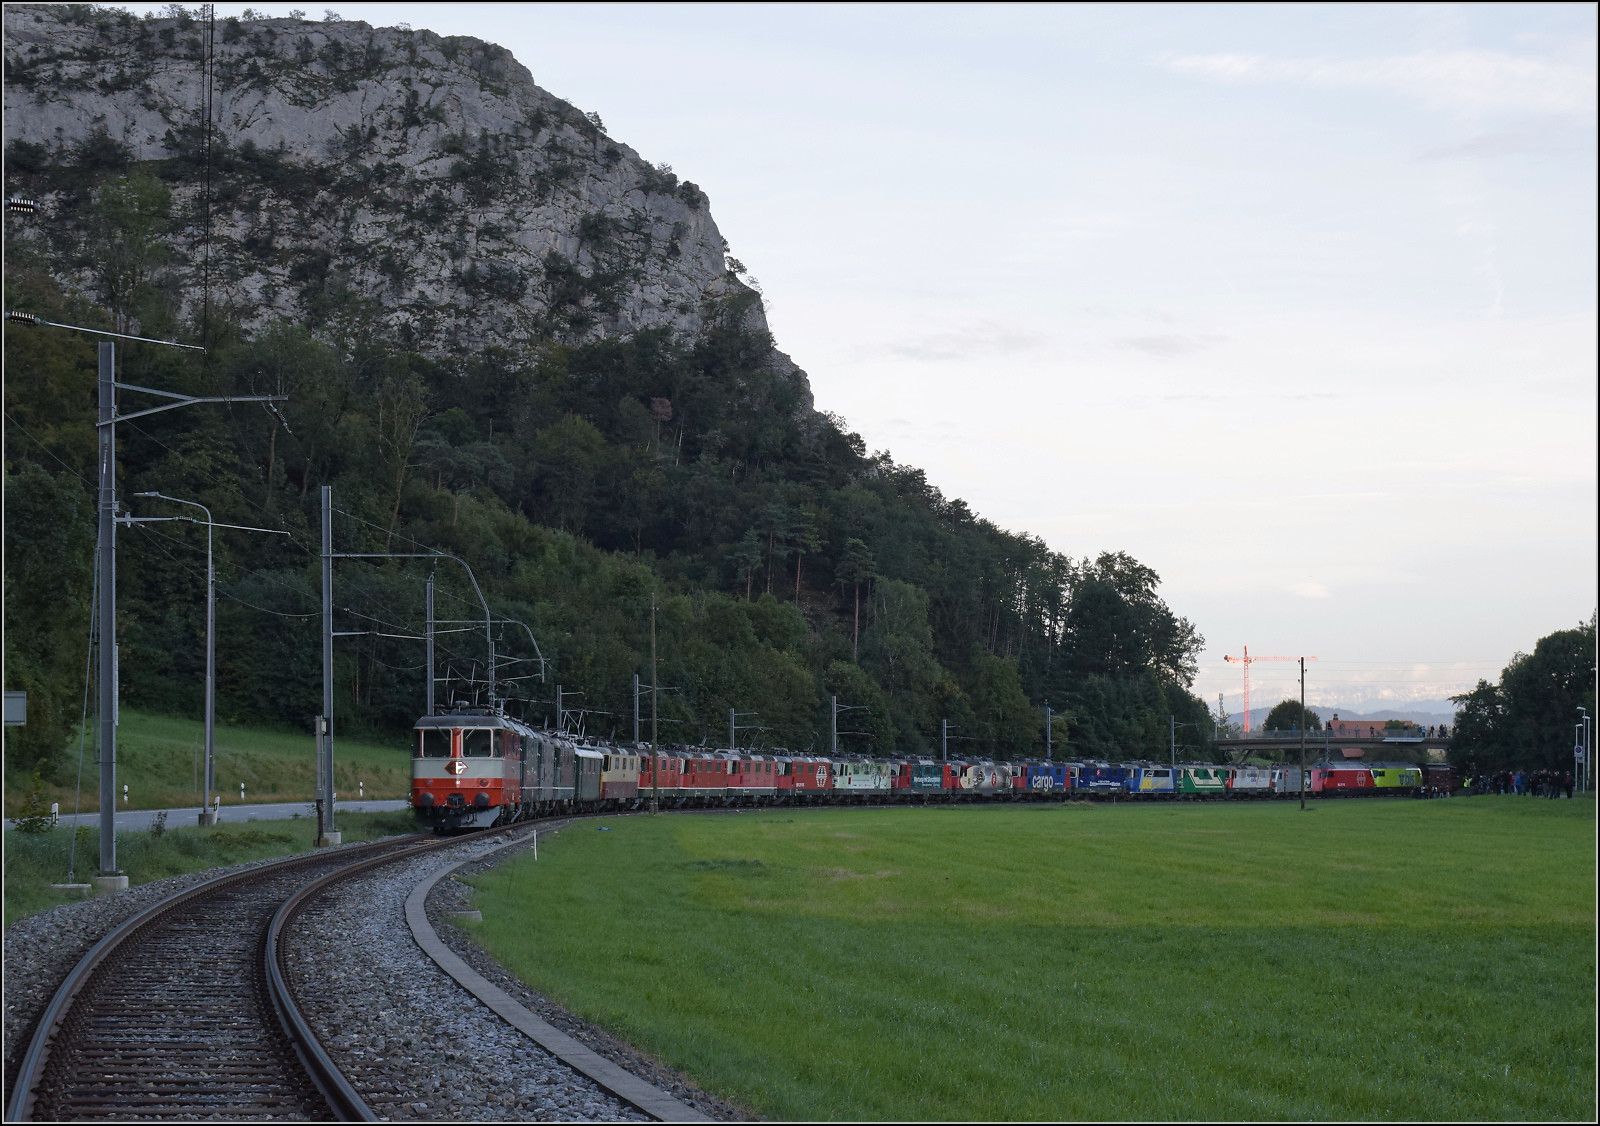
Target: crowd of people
x=1529 y=783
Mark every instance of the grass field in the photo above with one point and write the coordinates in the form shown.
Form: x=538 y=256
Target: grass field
x=1364 y=960
x=35 y=861
x=158 y=759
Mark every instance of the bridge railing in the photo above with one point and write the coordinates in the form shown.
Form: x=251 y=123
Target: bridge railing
x=1367 y=732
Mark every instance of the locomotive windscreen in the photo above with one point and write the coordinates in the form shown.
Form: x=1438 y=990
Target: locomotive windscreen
x=477 y=742
x=433 y=742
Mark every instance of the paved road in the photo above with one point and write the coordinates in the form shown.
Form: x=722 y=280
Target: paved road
x=138 y=820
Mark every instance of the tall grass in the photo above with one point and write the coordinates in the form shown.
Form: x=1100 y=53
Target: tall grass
x=35 y=861
x=1366 y=959
x=158 y=759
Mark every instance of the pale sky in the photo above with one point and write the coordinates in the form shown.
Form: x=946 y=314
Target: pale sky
x=1295 y=304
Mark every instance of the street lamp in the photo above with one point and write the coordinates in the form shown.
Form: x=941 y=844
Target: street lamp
x=207 y=815
x=1585 y=749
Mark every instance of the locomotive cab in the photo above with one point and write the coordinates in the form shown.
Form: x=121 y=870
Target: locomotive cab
x=466 y=770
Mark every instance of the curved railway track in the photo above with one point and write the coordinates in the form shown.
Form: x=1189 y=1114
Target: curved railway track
x=185 y=1010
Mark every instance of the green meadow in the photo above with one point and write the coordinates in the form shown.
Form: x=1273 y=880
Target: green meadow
x=34 y=861
x=158 y=757
x=1361 y=960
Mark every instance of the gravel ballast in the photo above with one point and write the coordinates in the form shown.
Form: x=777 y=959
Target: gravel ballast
x=42 y=949
x=414 y=1043
x=449 y=896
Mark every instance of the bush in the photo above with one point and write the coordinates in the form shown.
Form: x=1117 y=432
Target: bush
x=35 y=816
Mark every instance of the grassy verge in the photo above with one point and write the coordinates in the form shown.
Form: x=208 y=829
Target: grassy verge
x=35 y=861
x=158 y=759
x=1365 y=960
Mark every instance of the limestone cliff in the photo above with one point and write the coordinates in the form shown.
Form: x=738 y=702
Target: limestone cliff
x=419 y=183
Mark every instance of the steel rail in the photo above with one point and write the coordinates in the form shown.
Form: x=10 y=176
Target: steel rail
x=346 y=1103
x=50 y=1024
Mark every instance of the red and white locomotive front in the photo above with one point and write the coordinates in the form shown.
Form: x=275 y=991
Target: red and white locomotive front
x=466 y=770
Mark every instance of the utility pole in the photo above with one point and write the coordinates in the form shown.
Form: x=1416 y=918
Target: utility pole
x=561 y=719
x=733 y=739
x=1302 y=733
x=109 y=877
x=636 y=708
x=655 y=775
x=431 y=709
x=1172 y=747
x=833 y=727
x=330 y=835
x=1049 y=730
x=944 y=740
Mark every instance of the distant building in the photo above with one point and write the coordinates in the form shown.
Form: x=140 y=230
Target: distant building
x=1362 y=728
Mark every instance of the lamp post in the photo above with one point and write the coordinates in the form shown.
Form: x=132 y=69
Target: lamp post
x=208 y=816
x=1585 y=749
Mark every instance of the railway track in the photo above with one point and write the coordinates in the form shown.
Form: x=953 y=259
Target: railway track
x=186 y=1011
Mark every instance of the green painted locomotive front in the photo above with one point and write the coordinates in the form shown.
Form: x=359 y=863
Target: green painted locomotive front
x=1201 y=780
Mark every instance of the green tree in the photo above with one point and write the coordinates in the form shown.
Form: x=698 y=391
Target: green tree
x=746 y=558
x=49 y=559
x=898 y=651
x=1476 y=737
x=1527 y=721
x=856 y=566
x=129 y=217
x=775 y=525
x=35 y=815
x=1009 y=724
x=803 y=538
x=855 y=689
x=570 y=455
x=1287 y=716
x=402 y=407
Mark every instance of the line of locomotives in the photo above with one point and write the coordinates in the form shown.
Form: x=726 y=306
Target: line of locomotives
x=476 y=768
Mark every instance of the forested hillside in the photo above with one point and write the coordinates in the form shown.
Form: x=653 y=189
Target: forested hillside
x=580 y=470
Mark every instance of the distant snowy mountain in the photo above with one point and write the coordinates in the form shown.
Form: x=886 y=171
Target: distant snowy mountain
x=1424 y=713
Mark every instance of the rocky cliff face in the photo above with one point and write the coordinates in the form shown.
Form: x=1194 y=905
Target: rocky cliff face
x=421 y=183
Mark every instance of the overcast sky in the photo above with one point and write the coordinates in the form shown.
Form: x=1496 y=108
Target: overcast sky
x=1296 y=305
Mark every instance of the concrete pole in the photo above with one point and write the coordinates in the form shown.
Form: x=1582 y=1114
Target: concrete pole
x=833 y=727
x=1172 y=745
x=329 y=836
x=1302 y=733
x=944 y=740
x=655 y=775
x=207 y=815
x=636 y=708
x=431 y=708
x=732 y=730
x=1049 y=730
x=109 y=877
x=561 y=714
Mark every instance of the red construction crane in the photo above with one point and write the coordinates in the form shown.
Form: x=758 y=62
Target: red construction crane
x=1247 y=660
